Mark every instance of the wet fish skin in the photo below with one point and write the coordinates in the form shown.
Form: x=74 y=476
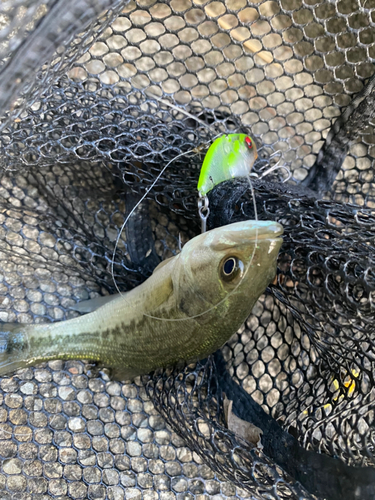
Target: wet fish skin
x=190 y=288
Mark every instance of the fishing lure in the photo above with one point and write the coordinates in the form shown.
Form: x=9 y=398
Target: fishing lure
x=229 y=156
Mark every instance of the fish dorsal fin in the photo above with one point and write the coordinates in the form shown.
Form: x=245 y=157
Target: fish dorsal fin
x=91 y=305
x=162 y=264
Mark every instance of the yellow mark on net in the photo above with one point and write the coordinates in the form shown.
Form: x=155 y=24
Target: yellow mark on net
x=348 y=382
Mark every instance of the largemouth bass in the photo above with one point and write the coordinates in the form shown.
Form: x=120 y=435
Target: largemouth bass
x=190 y=306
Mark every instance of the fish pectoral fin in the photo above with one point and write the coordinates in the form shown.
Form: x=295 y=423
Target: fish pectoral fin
x=162 y=264
x=91 y=305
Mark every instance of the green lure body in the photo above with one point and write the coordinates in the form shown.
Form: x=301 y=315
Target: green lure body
x=229 y=156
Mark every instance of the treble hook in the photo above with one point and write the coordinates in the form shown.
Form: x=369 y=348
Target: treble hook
x=276 y=167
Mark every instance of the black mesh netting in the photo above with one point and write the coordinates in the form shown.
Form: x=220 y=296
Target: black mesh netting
x=96 y=97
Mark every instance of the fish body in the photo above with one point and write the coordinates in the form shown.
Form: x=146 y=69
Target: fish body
x=229 y=156
x=187 y=309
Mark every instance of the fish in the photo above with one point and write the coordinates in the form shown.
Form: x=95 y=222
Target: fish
x=187 y=309
x=229 y=156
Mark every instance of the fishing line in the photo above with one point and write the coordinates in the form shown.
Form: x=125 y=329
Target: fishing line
x=152 y=185
x=135 y=208
x=183 y=111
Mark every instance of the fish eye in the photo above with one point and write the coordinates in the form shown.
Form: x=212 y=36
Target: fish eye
x=249 y=142
x=231 y=268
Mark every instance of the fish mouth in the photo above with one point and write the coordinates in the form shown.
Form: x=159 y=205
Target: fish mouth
x=241 y=234
x=253 y=230
x=263 y=230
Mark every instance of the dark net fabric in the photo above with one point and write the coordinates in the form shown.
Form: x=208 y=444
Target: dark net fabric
x=326 y=282
x=96 y=97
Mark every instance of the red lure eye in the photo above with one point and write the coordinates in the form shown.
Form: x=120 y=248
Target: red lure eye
x=249 y=142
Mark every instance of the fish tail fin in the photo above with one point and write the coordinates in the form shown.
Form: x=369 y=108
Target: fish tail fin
x=14 y=347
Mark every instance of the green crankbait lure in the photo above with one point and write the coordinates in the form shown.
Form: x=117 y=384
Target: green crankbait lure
x=229 y=156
